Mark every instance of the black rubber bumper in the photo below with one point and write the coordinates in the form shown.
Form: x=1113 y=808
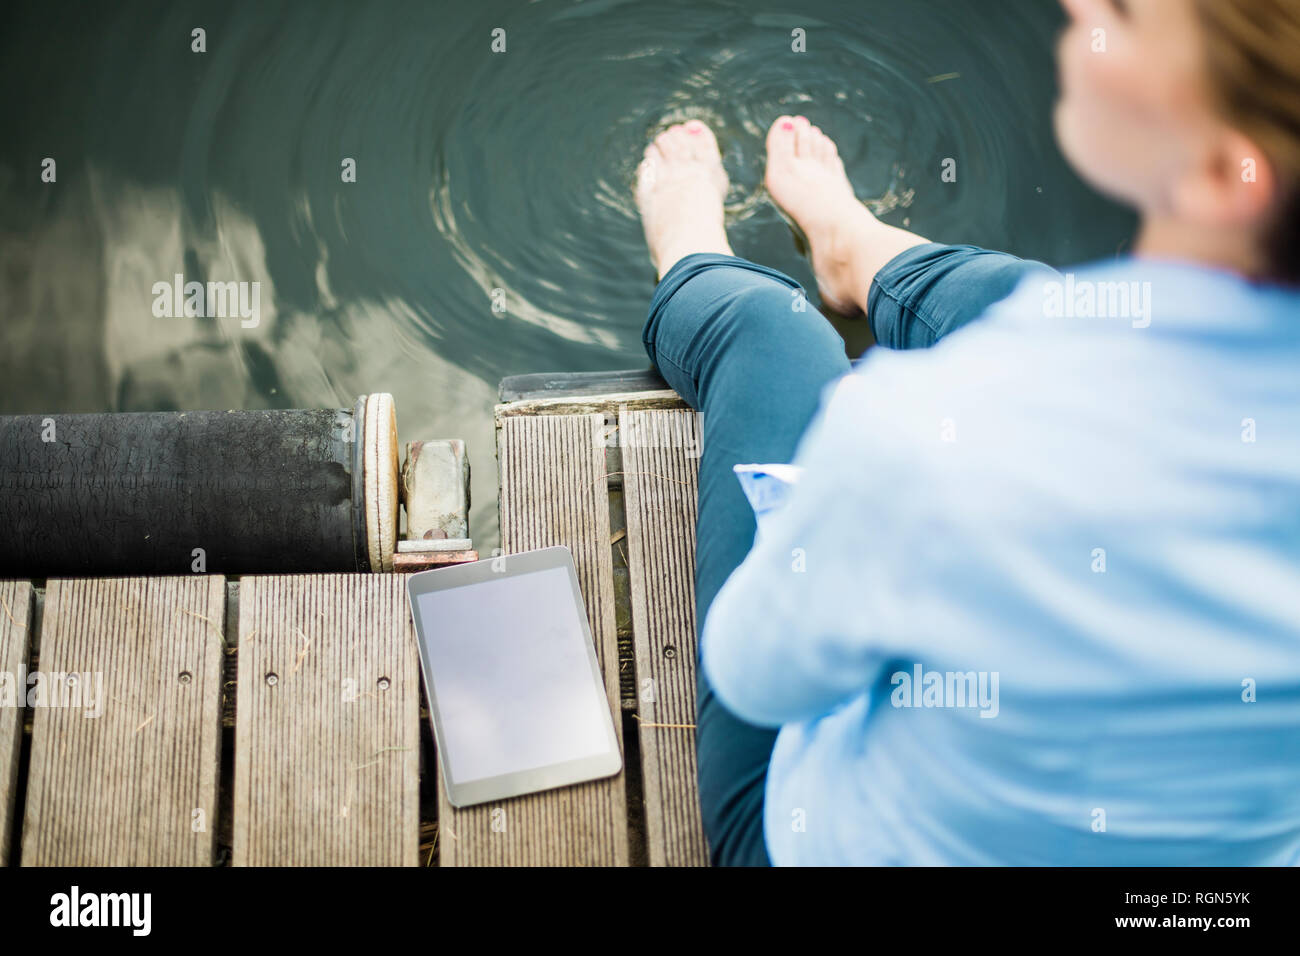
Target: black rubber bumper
x=181 y=492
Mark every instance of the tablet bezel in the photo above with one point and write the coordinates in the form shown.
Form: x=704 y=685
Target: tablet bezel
x=518 y=783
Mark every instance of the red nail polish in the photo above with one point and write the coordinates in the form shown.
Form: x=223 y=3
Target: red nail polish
x=787 y=125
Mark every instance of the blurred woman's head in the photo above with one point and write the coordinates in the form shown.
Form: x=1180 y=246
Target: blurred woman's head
x=1189 y=110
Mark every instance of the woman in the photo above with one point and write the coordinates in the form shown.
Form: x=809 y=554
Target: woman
x=1036 y=598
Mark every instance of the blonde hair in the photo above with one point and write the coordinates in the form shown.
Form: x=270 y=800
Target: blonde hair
x=1253 y=52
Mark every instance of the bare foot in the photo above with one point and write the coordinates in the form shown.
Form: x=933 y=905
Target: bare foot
x=679 y=191
x=806 y=178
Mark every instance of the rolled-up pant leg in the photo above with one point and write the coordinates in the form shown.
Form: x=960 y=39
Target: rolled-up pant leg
x=931 y=290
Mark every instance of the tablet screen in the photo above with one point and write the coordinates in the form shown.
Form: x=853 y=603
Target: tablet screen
x=510 y=668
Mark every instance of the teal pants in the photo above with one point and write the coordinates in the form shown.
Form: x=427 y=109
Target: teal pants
x=728 y=336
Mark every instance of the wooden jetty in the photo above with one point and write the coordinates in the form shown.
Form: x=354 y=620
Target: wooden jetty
x=279 y=719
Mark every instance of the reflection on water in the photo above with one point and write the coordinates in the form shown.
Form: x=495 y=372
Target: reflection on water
x=481 y=177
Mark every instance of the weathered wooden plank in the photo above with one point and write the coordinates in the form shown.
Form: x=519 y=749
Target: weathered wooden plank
x=585 y=404
x=327 y=763
x=137 y=784
x=514 y=388
x=660 y=487
x=554 y=491
x=15 y=630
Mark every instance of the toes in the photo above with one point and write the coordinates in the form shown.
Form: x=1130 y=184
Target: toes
x=804 y=137
x=669 y=143
x=781 y=136
x=821 y=144
x=646 y=174
x=700 y=140
x=826 y=148
x=690 y=140
x=648 y=169
x=809 y=142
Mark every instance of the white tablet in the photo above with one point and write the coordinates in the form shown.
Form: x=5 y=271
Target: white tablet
x=515 y=690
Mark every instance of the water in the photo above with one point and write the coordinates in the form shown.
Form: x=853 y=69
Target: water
x=475 y=172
